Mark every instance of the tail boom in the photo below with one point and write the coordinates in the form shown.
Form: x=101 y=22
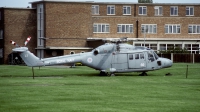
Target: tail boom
x=31 y=60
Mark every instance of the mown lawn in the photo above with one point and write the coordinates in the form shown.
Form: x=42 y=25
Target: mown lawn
x=58 y=89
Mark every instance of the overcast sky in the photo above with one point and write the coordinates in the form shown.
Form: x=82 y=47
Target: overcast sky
x=25 y=3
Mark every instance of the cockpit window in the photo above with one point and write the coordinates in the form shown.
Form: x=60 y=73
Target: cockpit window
x=151 y=56
x=141 y=56
x=155 y=55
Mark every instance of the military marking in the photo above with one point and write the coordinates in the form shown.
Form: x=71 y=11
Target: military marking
x=89 y=60
x=70 y=60
x=142 y=64
x=60 y=61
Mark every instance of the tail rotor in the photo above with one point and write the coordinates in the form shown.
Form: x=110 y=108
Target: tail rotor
x=27 y=40
x=25 y=43
x=14 y=43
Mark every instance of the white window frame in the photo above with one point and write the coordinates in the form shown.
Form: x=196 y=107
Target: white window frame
x=110 y=9
x=174 y=28
x=126 y=10
x=188 y=11
x=192 y=49
x=174 y=11
x=95 y=9
x=158 y=10
x=1 y=52
x=1 y=34
x=150 y=28
x=125 y=28
x=143 y=10
x=195 y=29
x=40 y=25
x=101 y=28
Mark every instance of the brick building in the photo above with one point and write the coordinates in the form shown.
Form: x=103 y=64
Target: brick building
x=64 y=27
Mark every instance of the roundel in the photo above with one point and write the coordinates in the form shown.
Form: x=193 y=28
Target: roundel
x=89 y=60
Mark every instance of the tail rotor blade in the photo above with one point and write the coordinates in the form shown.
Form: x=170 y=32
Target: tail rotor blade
x=14 y=43
x=27 y=40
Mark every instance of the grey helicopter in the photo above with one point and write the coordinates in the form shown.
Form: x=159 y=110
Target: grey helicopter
x=110 y=58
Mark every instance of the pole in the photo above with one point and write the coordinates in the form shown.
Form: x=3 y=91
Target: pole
x=33 y=72
x=144 y=37
x=187 y=72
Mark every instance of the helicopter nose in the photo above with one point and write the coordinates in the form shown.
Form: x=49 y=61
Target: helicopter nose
x=166 y=63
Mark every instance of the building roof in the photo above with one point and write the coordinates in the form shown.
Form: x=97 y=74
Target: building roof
x=93 y=2
x=16 y=8
x=149 y=39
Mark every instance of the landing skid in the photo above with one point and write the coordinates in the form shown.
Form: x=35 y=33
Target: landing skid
x=143 y=74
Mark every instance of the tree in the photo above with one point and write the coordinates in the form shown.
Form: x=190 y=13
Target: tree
x=145 y=1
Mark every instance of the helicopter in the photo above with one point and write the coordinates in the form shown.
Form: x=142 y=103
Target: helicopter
x=110 y=58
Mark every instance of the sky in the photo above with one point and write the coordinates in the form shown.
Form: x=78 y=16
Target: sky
x=25 y=3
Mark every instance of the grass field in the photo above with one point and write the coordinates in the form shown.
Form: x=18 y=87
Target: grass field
x=80 y=89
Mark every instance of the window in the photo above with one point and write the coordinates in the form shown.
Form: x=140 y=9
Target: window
x=158 y=10
x=170 y=46
x=151 y=56
x=141 y=56
x=1 y=34
x=95 y=9
x=194 y=29
x=174 y=10
x=163 y=47
x=136 y=56
x=142 y=10
x=101 y=28
x=1 y=52
x=189 y=11
x=130 y=57
x=110 y=10
x=192 y=48
x=125 y=28
x=149 y=28
x=127 y=10
x=173 y=29
x=40 y=25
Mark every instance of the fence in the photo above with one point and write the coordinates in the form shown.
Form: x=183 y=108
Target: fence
x=185 y=58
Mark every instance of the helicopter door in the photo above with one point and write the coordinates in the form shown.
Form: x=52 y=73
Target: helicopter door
x=119 y=61
x=136 y=60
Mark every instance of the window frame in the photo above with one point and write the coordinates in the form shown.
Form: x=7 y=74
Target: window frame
x=143 y=8
x=125 y=10
x=190 y=7
x=101 y=25
x=121 y=26
x=149 y=26
x=159 y=12
x=192 y=26
x=175 y=8
x=110 y=8
x=95 y=9
x=172 y=28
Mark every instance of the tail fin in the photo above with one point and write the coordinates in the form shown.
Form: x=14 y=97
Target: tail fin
x=29 y=58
